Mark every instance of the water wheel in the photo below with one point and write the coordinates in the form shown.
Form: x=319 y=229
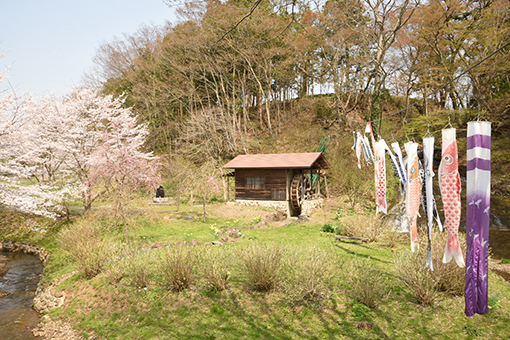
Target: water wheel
x=296 y=191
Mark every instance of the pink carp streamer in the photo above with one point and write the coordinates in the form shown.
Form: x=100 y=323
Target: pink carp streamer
x=449 y=181
x=380 y=176
x=478 y=217
x=413 y=191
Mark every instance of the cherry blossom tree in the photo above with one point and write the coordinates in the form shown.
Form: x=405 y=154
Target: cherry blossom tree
x=118 y=163
x=83 y=145
x=15 y=189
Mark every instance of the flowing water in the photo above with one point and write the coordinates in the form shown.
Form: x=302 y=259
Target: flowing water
x=19 y=275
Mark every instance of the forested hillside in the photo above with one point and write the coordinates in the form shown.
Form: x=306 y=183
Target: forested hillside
x=229 y=71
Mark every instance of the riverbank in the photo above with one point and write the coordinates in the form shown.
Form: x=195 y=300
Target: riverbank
x=46 y=297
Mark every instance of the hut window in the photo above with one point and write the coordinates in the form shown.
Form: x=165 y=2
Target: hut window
x=278 y=195
x=255 y=182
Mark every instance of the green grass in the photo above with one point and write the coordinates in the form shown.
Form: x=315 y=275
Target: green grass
x=121 y=310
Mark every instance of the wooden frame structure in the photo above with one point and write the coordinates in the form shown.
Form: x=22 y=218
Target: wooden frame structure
x=291 y=178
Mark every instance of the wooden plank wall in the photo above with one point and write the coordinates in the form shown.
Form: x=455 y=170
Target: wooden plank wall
x=273 y=179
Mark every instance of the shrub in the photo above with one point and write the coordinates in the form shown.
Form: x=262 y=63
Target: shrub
x=263 y=264
x=310 y=275
x=365 y=226
x=328 y=228
x=215 y=267
x=139 y=268
x=87 y=245
x=424 y=284
x=115 y=272
x=177 y=266
x=366 y=283
x=394 y=238
x=448 y=277
x=417 y=278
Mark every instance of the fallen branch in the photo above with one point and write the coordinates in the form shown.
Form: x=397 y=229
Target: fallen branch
x=362 y=239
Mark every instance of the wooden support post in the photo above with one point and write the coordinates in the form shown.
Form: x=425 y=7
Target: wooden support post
x=326 y=185
x=228 y=188
x=319 y=182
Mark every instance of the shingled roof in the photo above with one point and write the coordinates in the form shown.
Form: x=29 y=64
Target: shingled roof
x=279 y=161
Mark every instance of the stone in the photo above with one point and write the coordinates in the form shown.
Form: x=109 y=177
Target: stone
x=276 y=217
x=302 y=218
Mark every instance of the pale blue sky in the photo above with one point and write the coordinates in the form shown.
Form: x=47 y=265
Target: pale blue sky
x=51 y=43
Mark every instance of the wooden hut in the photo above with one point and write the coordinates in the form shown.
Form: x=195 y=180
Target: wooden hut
x=285 y=181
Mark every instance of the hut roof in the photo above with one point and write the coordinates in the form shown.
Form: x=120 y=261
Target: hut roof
x=279 y=161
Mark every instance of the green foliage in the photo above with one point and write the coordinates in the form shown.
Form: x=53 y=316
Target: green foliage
x=494 y=303
x=339 y=214
x=436 y=121
x=328 y=228
x=472 y=330
x=360 y=311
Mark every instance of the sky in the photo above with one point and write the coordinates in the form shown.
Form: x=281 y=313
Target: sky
x=50 y=44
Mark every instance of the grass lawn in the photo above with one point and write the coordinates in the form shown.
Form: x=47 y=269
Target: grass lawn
x=321 y=291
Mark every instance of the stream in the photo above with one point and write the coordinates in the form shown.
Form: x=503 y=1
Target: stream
x=19 y=275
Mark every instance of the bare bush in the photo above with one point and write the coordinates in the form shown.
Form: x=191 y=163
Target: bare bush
x=417 y=278
x=393 y=238
x=263 y=264
x=310 y=275
x=177 y=265
x=365 y=226
x=366 y=283
x=448 y=277
x=115 y=272
x=88 y=246
x=215 y=267
x=139 y=268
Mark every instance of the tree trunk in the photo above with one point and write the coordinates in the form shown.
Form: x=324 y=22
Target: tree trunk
x=375 y=113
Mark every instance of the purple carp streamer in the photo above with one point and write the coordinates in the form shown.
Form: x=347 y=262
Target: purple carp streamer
x=478 y=217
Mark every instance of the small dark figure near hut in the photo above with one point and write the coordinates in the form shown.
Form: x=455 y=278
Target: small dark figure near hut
x=160 y=192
